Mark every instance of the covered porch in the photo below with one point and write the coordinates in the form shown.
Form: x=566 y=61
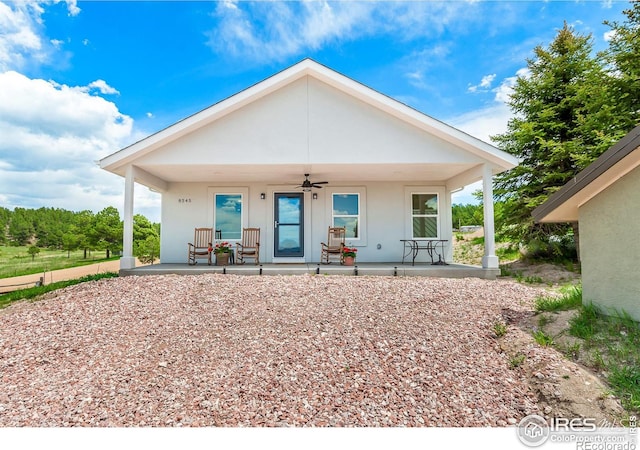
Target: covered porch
x=385 y=171
x=360 y=269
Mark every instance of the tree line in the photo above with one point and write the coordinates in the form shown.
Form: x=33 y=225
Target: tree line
x=61 y=229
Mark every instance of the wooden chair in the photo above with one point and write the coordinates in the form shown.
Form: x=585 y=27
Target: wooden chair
x=201 y=245
x=249 y=246
x=334 y=245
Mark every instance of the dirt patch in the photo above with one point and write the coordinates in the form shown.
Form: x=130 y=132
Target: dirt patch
x=541 y=272
x=564 y=388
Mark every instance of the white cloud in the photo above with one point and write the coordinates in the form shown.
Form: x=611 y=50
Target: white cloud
x=20 y=24
x=22 y=37
x=503 y=92
x=484 y=85
x=103 y=87
x=52 y=137
x=72 y=7
x=485 y=122
x=275 y=30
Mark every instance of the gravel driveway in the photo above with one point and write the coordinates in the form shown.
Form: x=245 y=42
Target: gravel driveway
x=225 y=350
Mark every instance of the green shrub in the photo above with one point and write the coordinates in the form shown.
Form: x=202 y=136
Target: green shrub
x=584 y=324
x=516 y=360
x=571 y=299
x=542 y=338
x=555 y=248
x=500 y=329
x=626 y=383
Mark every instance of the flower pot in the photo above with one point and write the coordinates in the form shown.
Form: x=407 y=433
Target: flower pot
x=349 y=260
x=222 y=259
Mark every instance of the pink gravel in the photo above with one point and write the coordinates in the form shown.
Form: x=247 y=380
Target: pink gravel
x=226 y=350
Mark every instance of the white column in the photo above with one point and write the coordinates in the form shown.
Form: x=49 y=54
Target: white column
x=447 y=230
x=489 y=260
x=128 y=261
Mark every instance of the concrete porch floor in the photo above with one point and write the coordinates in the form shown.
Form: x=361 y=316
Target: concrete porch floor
x=380 y=269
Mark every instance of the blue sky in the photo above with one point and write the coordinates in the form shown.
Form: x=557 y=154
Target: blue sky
x=80 y=80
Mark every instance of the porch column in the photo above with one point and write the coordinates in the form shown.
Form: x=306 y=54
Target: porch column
x=489 y=260
x=128 y=261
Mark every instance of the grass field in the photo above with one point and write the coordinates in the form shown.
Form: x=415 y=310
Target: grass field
x=15 y=261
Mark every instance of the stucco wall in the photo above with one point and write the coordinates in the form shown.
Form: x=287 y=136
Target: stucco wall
x=385 y=220
x=610 y=247
x=308 y=122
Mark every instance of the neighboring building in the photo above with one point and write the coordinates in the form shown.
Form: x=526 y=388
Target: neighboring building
x=390 y=170
x=605 y=200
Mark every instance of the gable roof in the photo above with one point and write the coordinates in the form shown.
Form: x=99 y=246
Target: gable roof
x=118 y=161
x=620 y=159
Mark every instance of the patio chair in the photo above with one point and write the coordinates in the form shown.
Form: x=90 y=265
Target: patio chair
x=334 y=245
x=201 y=245
x=249 y=247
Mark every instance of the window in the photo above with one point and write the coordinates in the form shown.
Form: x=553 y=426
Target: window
x=424 y=215
x=346 y=213
x=228 y=215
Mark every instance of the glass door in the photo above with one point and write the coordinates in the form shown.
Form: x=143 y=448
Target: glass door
x=288 y=227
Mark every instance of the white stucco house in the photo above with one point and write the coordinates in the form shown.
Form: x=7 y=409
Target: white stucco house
x=605 y=200
x=390 y=170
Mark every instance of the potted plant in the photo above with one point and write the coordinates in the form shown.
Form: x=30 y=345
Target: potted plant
x=349 y=255
x=222 y=251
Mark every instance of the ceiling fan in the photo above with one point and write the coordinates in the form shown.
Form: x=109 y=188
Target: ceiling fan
x=307 y=184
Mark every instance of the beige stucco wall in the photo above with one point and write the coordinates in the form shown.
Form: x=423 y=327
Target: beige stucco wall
x=610 y=246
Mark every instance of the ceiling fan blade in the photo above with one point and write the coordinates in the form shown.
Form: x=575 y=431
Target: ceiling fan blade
x=320 y=182
x=317 y=187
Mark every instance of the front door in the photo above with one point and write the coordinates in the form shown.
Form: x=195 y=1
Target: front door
x=288 y=224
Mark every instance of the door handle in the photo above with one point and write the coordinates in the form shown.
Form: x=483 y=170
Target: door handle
x=275 y=224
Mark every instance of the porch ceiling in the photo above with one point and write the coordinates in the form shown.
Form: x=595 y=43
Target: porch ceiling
x=294 y=173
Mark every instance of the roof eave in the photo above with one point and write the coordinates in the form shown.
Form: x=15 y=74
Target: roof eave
x=596 y=169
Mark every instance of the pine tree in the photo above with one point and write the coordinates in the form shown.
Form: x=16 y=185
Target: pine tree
x=623 y=57
x=560 y=108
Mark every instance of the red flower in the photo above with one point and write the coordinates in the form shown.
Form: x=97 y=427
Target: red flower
x=223 y=247
x=349 y=251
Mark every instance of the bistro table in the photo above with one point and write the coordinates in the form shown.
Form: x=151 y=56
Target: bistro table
x=432 y=246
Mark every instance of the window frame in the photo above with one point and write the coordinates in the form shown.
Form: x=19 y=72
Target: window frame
x=439 y=193
x=357 y=216
x=243 y=193
x=361 y=191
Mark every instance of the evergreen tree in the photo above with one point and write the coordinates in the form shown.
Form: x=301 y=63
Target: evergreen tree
x=623 y=57
x=5 y=219
x=21 y=230
x=106 y=233
x=560 y=113
x=146 y=239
